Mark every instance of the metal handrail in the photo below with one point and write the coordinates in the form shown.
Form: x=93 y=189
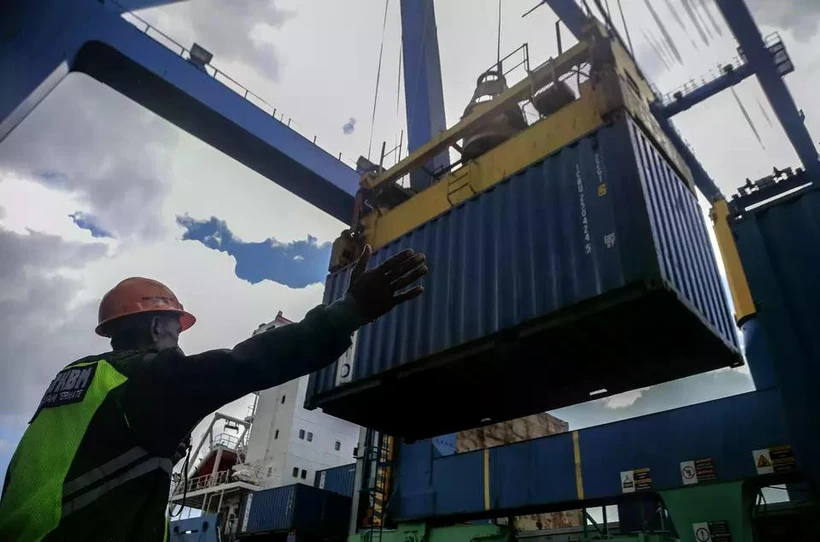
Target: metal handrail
x=203 y=482
x=737 y=62
x=228 y=441
x=692 y=85
x=213 y=71
x=221 y=477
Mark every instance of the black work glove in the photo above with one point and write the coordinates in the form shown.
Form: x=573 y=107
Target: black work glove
x=376 y=291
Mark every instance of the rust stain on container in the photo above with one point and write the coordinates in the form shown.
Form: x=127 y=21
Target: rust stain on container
x=519 y=430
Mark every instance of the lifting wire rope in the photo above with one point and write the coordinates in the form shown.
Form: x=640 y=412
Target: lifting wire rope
x=498 y=40
x=605 y=14
x=378 y=77
x=397 y=148
x=626 y=29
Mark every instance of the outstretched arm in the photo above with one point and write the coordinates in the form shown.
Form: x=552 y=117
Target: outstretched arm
x=171 y=392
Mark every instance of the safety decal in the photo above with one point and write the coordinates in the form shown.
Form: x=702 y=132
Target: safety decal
x=778 y=459
x=697 y=471
x=635 y=480
x=712 y=531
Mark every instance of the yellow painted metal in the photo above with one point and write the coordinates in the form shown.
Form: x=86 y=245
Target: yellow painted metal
x=735 y=276
x=383 y=478
x=486 y=478
x=531 y=145
x=539 y=77
x=541 y=139
x=579 y=477
x=614 y=88
x=637 y=102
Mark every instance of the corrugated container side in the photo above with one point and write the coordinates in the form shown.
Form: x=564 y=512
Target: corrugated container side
x=541 y=472
x=683 y=249
x=269 y=510
x=296 y=508
x=784 y=240
x=779 y=245
x=601 y=216
x=339 y=480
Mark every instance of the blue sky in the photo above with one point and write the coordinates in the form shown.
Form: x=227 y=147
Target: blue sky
x=89 y=222
x=295 y=264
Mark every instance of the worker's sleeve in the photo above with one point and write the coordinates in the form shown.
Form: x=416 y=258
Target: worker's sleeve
x=170 y=393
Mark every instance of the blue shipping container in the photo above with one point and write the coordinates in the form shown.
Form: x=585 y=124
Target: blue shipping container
x=591 y=270
x=541 y=473
x=338 y=479
x=201 y=529
x=779 y=244
x=296 y=508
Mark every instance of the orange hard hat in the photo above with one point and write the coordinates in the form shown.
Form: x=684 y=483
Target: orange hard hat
x=137 y=295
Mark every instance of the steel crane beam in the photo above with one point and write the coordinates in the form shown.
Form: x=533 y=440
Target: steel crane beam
x=423 y=92
x=743 y=27
x=574 y=19
x=47 y=39
x=706 y=91
x=131 y=5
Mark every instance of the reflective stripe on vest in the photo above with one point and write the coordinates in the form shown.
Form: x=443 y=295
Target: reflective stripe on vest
x=107 y=469
x=33 y=502
x=146 y=466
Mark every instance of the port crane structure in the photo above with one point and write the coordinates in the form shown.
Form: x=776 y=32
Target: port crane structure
x=43 y=40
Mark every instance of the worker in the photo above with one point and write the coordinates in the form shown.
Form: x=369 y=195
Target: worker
x=95 y=461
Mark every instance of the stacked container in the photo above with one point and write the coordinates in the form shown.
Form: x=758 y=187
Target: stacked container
x=298 y=508
x=337 y=479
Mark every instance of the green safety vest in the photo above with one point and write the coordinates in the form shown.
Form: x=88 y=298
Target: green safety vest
x=77 y=473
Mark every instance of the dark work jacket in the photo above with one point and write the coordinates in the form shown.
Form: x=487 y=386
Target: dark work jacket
x=95 y=462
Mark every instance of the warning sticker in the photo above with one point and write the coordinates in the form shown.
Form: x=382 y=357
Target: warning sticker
x=778 y=459
x=697 y=471
x=688 y=474
x=782 y=459
x=702 y=533
x=635 y=480
x=628 y=481
x=643 y=481
x=712 y=531
x=763 y=461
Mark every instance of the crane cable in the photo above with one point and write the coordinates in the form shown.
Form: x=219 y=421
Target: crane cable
x=498 y=40
x=378 y=77
x=398 y=104
x=626 y=29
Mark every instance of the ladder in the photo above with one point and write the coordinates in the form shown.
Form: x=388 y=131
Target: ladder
x=378 y=464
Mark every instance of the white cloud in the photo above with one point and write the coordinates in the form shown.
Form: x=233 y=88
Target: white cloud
x=117 y=169
x=232 y=31
x=42 y=209
x=623 y=400
x=37 y=329
x=208 y=183
x=799 y=16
